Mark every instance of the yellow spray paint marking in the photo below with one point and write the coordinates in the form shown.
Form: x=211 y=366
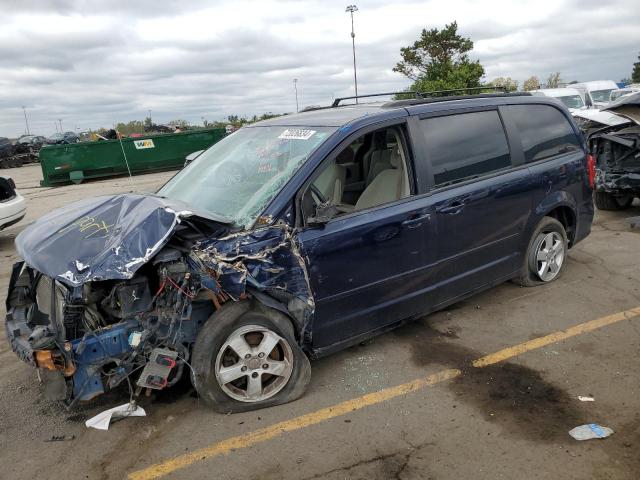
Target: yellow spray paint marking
x=89 y=224
x=225 y=447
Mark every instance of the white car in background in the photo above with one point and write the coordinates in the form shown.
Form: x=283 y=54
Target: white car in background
x=569 y=96
x=621 y=92
x=596 y=94
x=12 y=204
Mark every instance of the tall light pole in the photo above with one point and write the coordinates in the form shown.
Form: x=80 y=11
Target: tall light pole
x=351 y=9
x=295 y=86
x=60 y=121
x=25 y=119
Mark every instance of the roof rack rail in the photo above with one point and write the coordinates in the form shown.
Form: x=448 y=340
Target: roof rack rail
x=418 y=95
x=450 y=98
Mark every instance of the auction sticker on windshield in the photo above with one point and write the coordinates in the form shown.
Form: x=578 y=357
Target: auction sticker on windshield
x=140 y=144
x=296 y=134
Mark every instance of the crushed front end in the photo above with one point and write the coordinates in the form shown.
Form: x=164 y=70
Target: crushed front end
x=617 y=152
x=115 y=290
x=616 y=148
x=100 y=334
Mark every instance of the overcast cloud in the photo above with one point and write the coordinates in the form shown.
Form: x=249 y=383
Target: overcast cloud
x=95 y=63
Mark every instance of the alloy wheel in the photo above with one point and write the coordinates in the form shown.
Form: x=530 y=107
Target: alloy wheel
x=254 y=364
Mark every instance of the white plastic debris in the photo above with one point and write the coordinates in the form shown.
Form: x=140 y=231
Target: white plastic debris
x=103 y=419
x=586 y=399
x=589 y=431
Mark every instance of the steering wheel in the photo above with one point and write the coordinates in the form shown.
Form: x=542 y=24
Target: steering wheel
x=320 y=196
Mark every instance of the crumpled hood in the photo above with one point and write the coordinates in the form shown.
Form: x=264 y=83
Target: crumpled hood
x=605 y=118
x=627 y=106
x=101 y=238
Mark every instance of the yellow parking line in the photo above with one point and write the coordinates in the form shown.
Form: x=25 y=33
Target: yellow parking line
x=243 y=441
x=555 y=337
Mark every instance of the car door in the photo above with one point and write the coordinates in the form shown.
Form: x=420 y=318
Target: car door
x=481 y=198
x=369 y=269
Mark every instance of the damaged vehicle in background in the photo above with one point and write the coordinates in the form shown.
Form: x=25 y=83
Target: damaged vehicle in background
x=616 y=148
x=596 y=93
x=12 y=204
x=570 y=97
x=296 y=237
x=65 y=138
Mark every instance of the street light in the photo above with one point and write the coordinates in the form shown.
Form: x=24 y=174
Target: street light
x=351 y=9
x=25 y=119
x=60 y=121
x=295 y=86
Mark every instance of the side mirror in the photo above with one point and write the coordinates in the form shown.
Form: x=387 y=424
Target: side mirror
x=191 y=157
x=324 y=213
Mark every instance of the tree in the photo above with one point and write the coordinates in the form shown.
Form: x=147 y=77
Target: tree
x=439 y=60
x=531 y=83
x=553 y=80
x=147 y=122
x=134 y=126
x=182 y=124
x=635 y=74
x=508 y=83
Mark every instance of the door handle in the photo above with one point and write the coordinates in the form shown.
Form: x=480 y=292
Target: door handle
x=453 y=207
x=415 y=222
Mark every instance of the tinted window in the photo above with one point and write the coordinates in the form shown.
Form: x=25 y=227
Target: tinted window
x=465 y=146
x=544 y=131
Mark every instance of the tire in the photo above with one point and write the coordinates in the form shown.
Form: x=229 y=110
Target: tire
x=212 y=355
x=548 y=232
x=607 y=201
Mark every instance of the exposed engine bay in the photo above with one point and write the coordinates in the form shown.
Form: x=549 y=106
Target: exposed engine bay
x=138 y=327
x=617 y=152
x=616 y=148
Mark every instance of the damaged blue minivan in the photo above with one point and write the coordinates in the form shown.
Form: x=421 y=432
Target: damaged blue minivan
x=295 y=237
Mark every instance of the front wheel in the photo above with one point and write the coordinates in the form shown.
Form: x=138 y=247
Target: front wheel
x=546 y=254
x=249 y=362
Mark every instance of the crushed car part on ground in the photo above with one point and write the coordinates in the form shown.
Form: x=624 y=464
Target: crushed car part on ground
x=16 y=154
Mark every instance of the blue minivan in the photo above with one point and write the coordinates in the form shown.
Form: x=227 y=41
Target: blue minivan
x=295 y=237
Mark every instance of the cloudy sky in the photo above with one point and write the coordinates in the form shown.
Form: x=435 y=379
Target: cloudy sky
x=94 y=63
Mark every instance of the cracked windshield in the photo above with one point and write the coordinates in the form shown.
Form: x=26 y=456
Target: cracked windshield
x=237 y=177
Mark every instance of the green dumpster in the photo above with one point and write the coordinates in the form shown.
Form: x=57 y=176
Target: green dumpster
x=62 y=164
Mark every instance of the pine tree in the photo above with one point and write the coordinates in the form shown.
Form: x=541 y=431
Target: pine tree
x=635 y=74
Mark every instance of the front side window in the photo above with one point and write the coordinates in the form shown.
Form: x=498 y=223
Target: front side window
x=238 y=176
x=601 y=95
x=572 y=101
x=619 y=93
x=544 y=131
x=465 y=146
x=371 y=171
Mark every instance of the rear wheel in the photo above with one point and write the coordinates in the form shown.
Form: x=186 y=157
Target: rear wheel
x=249 y=362
x=607 y=201
x=545 y=254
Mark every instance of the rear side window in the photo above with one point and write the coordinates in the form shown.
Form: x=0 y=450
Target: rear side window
x=544 y=131
x=464 y=146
